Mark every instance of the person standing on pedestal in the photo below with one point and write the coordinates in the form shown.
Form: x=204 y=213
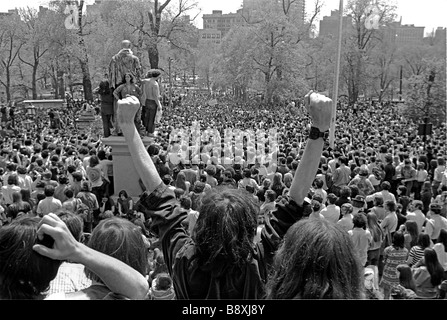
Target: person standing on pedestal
x=128 y=88
x=150 y=99
x=123 y=62
x=107 y=99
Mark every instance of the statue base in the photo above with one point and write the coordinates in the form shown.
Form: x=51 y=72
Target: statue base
x=125 y=176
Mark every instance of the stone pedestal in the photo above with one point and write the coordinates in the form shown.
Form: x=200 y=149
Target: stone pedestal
x=125 y=176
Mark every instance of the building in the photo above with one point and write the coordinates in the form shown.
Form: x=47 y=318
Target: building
x=9 y=13
x=329 y=24
x=210 y=36
x=403 y=35
x=298 y=7
x=440 y=35
x=221 y=22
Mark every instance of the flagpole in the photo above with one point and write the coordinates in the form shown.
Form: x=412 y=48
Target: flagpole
x=337 y=75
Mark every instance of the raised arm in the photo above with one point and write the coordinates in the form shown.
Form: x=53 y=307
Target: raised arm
x=127 y=108
x=119 y=277
x=319 y=108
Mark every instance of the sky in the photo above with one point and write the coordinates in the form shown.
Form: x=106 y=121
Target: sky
x=422 y=13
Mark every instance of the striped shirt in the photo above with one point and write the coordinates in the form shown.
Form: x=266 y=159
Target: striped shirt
x=416 y=254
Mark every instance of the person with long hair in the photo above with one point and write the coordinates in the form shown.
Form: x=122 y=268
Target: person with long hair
x=337 y=275
x=182 y=183
x=127 y=88
x=106 y=98
x=33 y=248
x=377 y=234
x=441 y=249
x=222 y=260
x=125 y=204
x=428 y=274
x=393 y=255
x=416 y=252
x=411 y=233
x=406 y=289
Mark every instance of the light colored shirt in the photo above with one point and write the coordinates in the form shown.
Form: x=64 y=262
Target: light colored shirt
x=331 y=213
x=362 y=239
x=442 y=255
x=48 y=205
x=70 y=278
x=418 y=217
x=346 y=222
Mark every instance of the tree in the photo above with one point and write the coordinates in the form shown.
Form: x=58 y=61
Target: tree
x=11 y=42
x=426 y=95
x=360 y=41
x=37 y=43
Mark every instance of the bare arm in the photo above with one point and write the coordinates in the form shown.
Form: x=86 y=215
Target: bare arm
x=319 y=108
x=119 y=277
x=127 y=109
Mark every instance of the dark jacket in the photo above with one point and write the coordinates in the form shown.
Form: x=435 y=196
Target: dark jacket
x=193 y=281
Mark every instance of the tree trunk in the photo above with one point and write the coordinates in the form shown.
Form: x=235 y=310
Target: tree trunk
x=34 y=81
x=153 y=56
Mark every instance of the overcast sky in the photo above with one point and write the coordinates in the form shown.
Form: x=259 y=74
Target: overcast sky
x=423 y=13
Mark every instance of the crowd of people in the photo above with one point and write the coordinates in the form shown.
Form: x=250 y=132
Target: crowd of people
x=238 y=203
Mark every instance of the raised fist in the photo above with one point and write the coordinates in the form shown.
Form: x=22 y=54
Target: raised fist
x=127 y=109
x=320 y=110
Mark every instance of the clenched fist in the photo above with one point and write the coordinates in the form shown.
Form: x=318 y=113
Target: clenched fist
x=320 y=110
x=127 y=109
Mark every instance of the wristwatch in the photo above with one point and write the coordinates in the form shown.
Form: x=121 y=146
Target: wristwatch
x=315 y=133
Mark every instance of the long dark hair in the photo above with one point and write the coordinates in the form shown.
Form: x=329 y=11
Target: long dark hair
x=104 y=88
x=317 y=260
x=226 y=228
x=433 y=266
x=443 y=238
x=25 y=273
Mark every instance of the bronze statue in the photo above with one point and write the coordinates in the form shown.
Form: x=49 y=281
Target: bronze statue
x=122 y=63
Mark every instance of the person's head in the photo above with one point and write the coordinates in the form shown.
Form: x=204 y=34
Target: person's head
x=406 y=276
x=93 y=161
x=69 y=192
x=123 y=194
x=318 y=183
x=312 y=262
x=49 y=190
x=402 y=190
x=433 y=266
x=331 y=198
x=77 y=176
x=163 y=281
x=185 y=202
x=26 y=194
x=435 y=208
x=385 y=185
x=398 y=240
x=154 y=73
x=423 y=240
x=390 y=205
x=86 y=186
x=13 y=180
x=24 y=274
x=346 y=208
x=128 y=78
x=226 y=227
x=74 y=223
x=266 y=183
x=121 y=239
x=359 y=220
x=416 y=205
x=412 y=228
x=378 y=201
x=16 y=196
x=345 y=192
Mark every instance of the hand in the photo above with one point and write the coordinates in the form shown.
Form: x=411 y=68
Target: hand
x=65 y=245
x=127 y=109
x=320 y=110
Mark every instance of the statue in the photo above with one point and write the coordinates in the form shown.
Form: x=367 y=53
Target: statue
x=123 y=62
